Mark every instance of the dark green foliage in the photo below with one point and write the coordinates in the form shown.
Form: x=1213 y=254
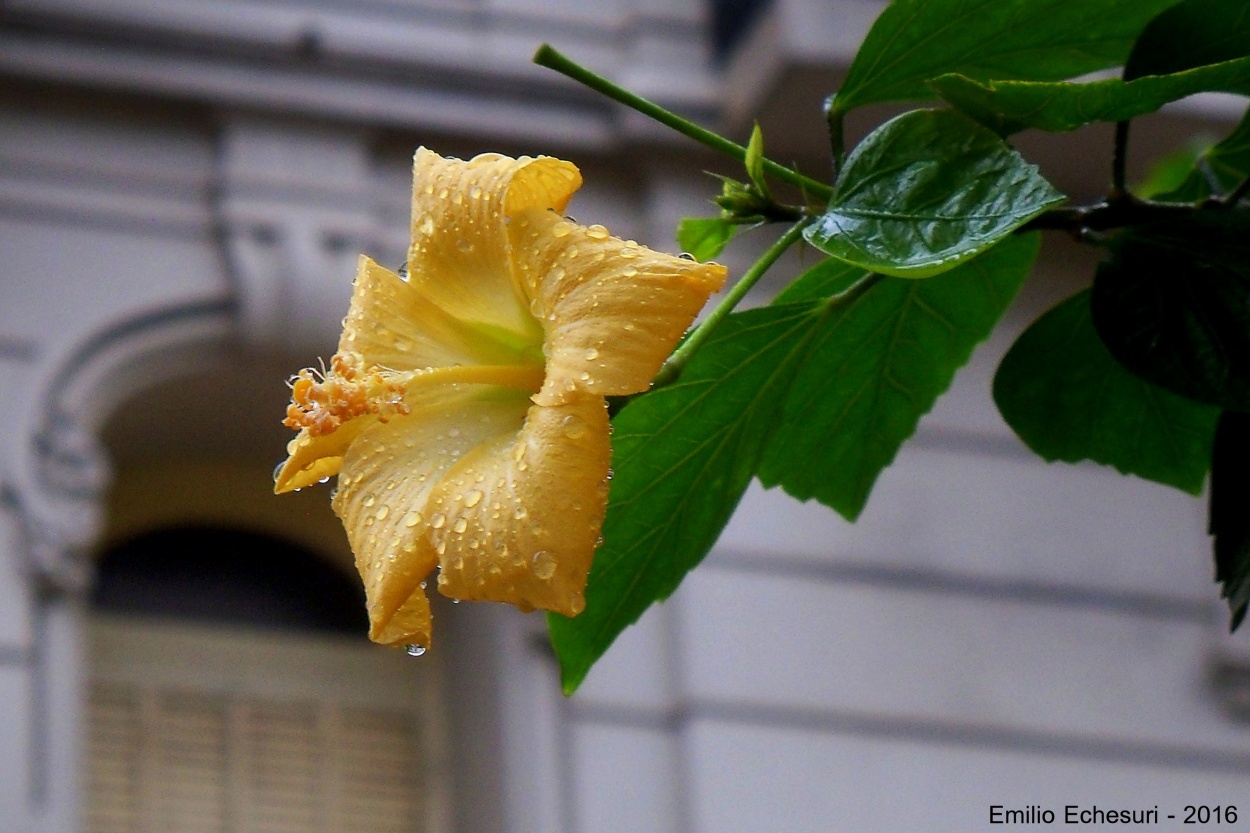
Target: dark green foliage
x=1229 y=522
x=1172 y=304
x=1040 y=40
x=1069 y=400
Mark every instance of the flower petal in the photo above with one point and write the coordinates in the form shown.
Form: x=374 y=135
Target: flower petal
x=459 y=253
x=613 y=310
x=392 y=324
x=313 y=459
x=387 y=477
x=524 y=512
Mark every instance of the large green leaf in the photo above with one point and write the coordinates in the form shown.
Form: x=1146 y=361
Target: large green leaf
x=1008 y=106
x=1217 y=170
x=876 y=366
x=1069 y=400
x=1229 y=522
x=915 y=40
x=1172 y=304
x=926 y=191
x=682 y=456
x=824 y=280
x=1190 y=34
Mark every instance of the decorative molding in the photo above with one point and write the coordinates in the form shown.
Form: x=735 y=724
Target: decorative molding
x=295 y=207
x=60 y=470
x=427 y=66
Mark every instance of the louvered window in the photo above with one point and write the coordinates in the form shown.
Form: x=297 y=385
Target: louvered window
x=212 y=730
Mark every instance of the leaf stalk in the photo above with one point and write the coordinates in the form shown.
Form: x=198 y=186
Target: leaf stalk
x=548 y=57
x=676 y=362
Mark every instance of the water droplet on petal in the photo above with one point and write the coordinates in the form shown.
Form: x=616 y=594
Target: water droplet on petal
x=591 y=354
x=473 y=498
x=277 y=470
x=415 y=650
x=460 y=525
x=412 y=519
x=544 y=564
x=597 y=232
x=560 y=229
x=574 y=427
x=438 y=520
x=383 y=512
x=521 y=513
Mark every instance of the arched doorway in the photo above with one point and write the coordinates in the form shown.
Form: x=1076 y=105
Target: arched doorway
x=230 y=686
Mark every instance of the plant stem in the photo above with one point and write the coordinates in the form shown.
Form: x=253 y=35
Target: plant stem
x=548 y=57
x=676 y=362
x=1125 y=211
x=837 y=144
x=1119 y=160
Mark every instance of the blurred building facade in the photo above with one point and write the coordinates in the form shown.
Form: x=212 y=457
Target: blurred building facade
x=184 y=188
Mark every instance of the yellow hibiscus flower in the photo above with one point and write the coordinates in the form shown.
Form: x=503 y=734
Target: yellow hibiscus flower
x=464 y=411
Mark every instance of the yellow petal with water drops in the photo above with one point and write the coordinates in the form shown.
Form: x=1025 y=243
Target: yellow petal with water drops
x=459 y=252
x=387 y=477
x=523 y=513
x=393 y=324
x=612 y=310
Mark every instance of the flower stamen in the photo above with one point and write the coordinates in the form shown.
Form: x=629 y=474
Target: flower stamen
x=347 y=390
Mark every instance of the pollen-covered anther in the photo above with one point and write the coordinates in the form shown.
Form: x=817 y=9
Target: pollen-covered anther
x=345 y=391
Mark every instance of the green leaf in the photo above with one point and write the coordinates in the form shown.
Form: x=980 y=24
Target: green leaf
x=828 y=278
x=1068 y=399
x=1172 y=304
x=1008 y=106
x=1173 y=172
x=705 y=237
x=1191 y=34
x=1229 y=522
x=876 y=365
x=1217 y=170
x=926 y=191
x=755 y=160
x=682 y=456
x=1042 y=40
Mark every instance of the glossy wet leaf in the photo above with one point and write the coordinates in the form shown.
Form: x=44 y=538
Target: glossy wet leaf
x=925 y=192
x=1172 y=304
x=1229 y=522
x=876 y=366
x=915 y=40
x=1069 y=400
x=705 y=237
x=1009 y=106
x=682 y=456
x=1190 y=34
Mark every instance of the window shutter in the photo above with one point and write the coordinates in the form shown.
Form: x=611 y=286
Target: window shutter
x=203 y=752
